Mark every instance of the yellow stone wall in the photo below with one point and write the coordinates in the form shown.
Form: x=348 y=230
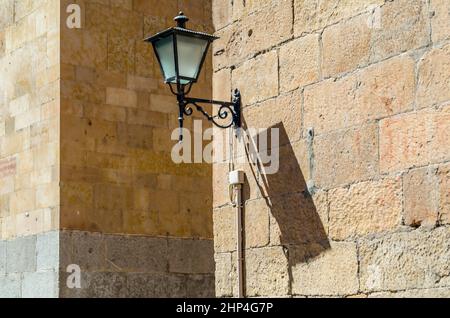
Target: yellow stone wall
x=117 y=117
x=29 y=117
x=86 y=121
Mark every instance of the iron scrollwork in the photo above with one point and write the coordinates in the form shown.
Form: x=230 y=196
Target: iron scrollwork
x=230 y=112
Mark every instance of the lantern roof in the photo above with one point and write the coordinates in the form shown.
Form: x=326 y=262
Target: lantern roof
x=182 y=31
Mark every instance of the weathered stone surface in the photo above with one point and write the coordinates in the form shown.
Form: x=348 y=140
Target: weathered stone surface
x=6 y=13
x=444 y=193
x=96 y=285
x=375 y=92
x=255 y=85
x=156 y=286
x=408 y=260
x=40 y=285
x=47 y=251
x=434 y=78
x=415 y=293
x=346 y=46
x=88 y=251
x=346 y=157
x=200 y=286
x=256 y=220
x=224 y=275
x=414 y=139
x=282 y=113
x=138 y=254
x=223 y=13
x=2 y=257
x=365 y=208
x=224 y=220
x=21 y=255
x=404 y=25
x=10 y=286
x=87 y=48
x=299 y=63
x=191 y=256
x=255 y=33
x=316 y=14
x=267 y=272
x=298 y=219
x=330 y=271
x=421 y=197
x=440 y=22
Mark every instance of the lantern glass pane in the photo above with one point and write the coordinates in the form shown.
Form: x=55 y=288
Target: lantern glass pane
x=165 y=50
x=190 y=55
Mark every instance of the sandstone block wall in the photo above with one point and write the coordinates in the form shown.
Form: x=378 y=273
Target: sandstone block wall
x=359 y=91
x=29 y=147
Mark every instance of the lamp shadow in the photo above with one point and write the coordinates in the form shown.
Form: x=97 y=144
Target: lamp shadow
x=298 y=226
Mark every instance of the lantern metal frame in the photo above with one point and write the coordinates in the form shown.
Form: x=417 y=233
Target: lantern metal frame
x=228 y=114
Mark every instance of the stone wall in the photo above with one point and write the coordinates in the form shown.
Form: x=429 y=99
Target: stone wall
x=29 y=147
x=117 y=175
x=359 y=91
x=85 y=165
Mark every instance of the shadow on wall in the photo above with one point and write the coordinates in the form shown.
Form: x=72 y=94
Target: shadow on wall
x=300 y=229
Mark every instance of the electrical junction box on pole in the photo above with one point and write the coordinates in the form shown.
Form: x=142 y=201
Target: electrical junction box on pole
x=236 y=177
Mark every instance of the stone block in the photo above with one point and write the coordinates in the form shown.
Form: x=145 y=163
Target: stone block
x=444 y=193
x=299 y=63
x=222 y=84
x=414 y=139
x=3 y=245
x=298 y=218
x=224 y=221
x=255 y=33
x=225 y=279
x=256 y=222
x=375 y=92
x=85 y=48
x=200 y=286
x=346 y=156
x=440 y=22
x=138 y=254
x=47 y=251
x=121 y=97
x=421 y=197
x=191 y=256
x=324 y=271
x=365 y=208
x=404 y=25
x=6 y=14
x=254 y=85
x=138 y=83
x=267 y=272
x=21 y=255
x=316 y=14
x=414 y=293
x=96 y=285
x=156 y=285
x=434 y=77
x=282 y=113
x=222 y=13
x=10 y=286
x=121 y=55
x=40 y=285
x=88 y=251
x=406 y=260
x=346 y=46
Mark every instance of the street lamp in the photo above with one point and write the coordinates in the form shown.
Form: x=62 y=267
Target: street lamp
x=181 y=53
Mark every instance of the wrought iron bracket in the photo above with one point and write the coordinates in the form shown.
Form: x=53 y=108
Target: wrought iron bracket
x=230 y=112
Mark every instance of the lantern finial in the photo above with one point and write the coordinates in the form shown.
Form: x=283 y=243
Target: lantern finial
x=181 y=20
